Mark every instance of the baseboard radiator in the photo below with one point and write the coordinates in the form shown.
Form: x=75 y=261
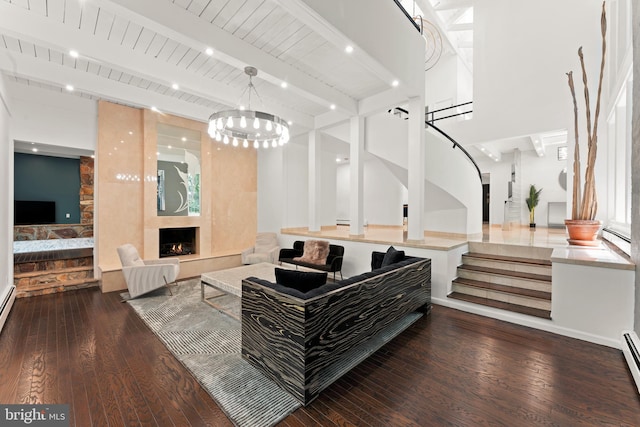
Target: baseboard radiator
x=6 y=305
x=630 y=347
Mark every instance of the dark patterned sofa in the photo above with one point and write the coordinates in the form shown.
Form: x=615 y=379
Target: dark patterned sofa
x=306 y=341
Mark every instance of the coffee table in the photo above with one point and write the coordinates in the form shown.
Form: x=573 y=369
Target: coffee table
x=230 y=280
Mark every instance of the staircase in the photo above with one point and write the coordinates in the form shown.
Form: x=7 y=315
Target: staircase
x=508 y=277
x=41 y=273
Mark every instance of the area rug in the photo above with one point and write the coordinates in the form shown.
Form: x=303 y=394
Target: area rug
x=207 y=341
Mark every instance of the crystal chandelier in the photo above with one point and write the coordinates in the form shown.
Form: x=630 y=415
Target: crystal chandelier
x=245 y=127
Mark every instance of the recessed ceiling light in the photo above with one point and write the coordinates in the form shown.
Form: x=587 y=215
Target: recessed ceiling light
x=289 y=122
x=73 y=53
x=348 y=49
x=184 y=138
x=175 y=86
x=395 y=83
x=154 y=109
x=121 y=141
x=130 y=132
x=284 y=85
x=69 y=87
x=209 y=51
x=35 y=150
x=241 y=108
x=157 y=153
x=169 y=147
x=93 y=156
x=332 y=106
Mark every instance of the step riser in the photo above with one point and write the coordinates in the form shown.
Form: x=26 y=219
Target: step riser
x=28 y=267
x=504 y=297
x=28 y=282
x=507 y=265
x=511 y=250
x=505 y=280
x=25 y=293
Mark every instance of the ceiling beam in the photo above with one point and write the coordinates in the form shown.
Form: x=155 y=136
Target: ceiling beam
x=110 y=90
x=183 y=26
x=40 y=30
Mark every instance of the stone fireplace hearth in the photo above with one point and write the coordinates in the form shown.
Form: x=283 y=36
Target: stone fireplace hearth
x=177 y=241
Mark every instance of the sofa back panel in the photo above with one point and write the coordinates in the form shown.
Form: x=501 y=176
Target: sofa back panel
x=358 y=312
x=273 y=324
x=298 y=245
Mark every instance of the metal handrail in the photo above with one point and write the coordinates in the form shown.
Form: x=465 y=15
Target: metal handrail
x=409 y=17
x=455 y=143
x=433 y=117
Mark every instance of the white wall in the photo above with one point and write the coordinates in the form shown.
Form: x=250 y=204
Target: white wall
x=383 y=193
x=271 y=196
x=6 y=208
x=522 y=50
x=53 y=118
x=542 y=172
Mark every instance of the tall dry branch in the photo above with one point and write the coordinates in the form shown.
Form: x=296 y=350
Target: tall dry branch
x=589 y=197
x=576 y=154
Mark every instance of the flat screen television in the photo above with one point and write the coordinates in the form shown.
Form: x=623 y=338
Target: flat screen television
x=29 y=212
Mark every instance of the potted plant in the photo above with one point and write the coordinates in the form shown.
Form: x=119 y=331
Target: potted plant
x=583 y=227
x=532 y=202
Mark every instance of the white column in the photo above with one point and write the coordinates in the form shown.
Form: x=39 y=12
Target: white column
x=314 y=180
x=416 y=173
x=356 y=168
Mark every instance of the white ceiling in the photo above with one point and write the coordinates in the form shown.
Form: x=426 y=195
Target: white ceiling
x=133 y=52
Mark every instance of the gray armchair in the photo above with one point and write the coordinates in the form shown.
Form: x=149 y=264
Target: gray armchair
x=146 y=276
x=266 y=249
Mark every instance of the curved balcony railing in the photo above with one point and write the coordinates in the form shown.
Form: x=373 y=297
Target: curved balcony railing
x=429 y=123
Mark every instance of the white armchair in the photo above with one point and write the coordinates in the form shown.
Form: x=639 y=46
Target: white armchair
x=266 y=249
x=145 y=276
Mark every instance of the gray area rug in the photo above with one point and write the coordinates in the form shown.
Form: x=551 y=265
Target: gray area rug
x=208 y=343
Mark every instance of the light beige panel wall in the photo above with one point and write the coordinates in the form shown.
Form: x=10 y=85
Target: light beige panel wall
x=228 y=193
x=234 y=191
x=119 y=201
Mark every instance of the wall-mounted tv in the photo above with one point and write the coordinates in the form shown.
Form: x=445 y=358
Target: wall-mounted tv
x=29 y=212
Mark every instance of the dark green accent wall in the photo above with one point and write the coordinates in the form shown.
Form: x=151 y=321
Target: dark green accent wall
x=49 y=179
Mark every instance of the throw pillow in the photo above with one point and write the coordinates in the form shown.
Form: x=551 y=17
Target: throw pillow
x=392 y=256
x=315 y=252
x=303 y=281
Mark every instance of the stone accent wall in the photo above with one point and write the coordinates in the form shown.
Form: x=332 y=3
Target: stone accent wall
x=52 y=231
x=86 y=190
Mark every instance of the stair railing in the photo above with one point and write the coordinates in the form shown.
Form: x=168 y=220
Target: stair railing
x=430 y=124
x=409 y=17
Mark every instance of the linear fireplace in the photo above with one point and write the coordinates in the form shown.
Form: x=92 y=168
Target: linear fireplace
x=177 y=241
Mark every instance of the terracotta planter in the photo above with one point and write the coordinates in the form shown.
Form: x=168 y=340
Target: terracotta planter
x=583 y=232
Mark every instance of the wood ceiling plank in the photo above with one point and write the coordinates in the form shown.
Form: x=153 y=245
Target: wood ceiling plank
x=176 y=56
x=156 y=44
x=197 y=63
x=144 y=41
x=131 y=35
x=55 y=10
x=89 y=18
x=244 y=13
x=104 y=71
x=105 y=22
x=182 y=3
x=302 y=48
x=72 y=13
x=266 y=18
x=115 y=75
x=213 y=8
x=258 y=15
x=118 y=29
x=11 y=44
x=21 y=3
x=188 y=58
x=198 y=6
x=167 y=50
x=273 y=36
x=228 y=12
x=276 y=49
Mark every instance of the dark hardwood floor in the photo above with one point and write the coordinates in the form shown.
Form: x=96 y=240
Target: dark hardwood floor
x=451 y=368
